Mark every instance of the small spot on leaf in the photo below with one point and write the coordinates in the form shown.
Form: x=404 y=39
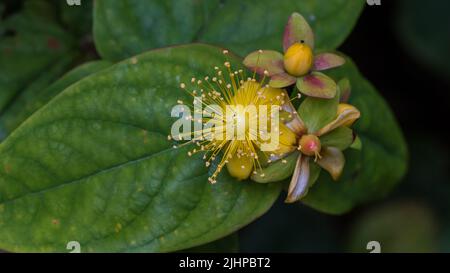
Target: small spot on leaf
x=118 y=227
x=53 y=43
x=7 y=168
x=145 y=135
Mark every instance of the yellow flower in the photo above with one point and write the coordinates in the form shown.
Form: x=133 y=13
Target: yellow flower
x=235 y=104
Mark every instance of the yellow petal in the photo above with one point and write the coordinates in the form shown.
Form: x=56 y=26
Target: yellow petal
x=349 y=114
x=287 y=141
x=343 y=107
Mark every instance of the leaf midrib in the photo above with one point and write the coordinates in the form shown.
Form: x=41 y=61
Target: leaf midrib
x=85 y=177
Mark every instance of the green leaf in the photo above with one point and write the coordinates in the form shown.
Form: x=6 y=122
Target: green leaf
x=41 y=8
x=277 y=171
x=373 y=172
x=94 y=165
x=340 y=138
x=36 y=50
x=141 y=25
x=29 y=46
x=77 y=19
x=422 y=28
x=242 y=26
x=229 y=244
x=315 y=171
x=357 y=144
x=33 y=88
x=37 y=95
x=316 y=113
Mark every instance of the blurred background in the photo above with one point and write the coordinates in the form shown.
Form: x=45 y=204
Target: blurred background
x=403 y=48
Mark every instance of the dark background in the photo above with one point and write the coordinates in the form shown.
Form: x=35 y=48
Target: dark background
x=416 y=216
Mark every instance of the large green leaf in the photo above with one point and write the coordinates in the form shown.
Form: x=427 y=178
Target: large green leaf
x=29 y=45
x=372 y=172
x=36 y=95
x=94 y=165
x=229 y=244
x=36 y=49
x=33 y=88
x=422 y=28
x=77 y=19
x=244 y=25
x=123 y=28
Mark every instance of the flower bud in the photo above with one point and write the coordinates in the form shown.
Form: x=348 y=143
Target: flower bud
x=298 y=59
x=310 y=145
x=343 y=107
x=240 y=167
